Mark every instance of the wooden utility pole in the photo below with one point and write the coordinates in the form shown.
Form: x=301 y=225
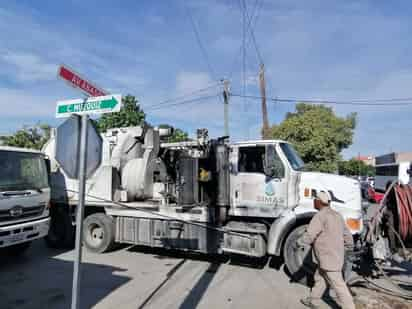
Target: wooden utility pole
x=263 y=95
x=226 y=105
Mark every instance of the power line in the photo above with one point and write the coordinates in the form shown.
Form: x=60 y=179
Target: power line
x=182 y=102
x=253 y=19
x=244 y=50
x=390 y=102
x=202 y=48
x=199 y=42
x=213 y=85
x=252 y=34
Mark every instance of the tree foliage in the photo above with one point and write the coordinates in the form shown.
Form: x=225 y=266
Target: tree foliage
x=317 y=133
x=130 y=115
x=177 y=136
x=354 y=167
x=29 y=137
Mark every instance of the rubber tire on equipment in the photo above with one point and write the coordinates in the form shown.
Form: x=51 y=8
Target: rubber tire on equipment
x=99 y=233
x=298 y=259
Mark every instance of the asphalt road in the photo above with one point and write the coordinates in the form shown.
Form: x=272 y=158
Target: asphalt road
x=139 y=277
x=136 y=277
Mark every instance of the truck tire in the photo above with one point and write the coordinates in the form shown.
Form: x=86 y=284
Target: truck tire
x=99 y=233
x=18 y=249
x=61 y=233
x=298 y=258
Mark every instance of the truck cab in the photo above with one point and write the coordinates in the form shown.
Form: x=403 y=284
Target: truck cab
x=268 y=181
x=267 y=178
x=263 y=182
x=24 y=197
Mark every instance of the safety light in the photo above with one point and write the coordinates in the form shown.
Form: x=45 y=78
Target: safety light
x=353 y=224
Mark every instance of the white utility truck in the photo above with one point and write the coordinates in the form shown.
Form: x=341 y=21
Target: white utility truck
x=207 y=195
x=24 y=197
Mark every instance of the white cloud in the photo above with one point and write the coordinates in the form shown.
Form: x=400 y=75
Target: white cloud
x=190 y=81
x=15 y=103
x=29 y=67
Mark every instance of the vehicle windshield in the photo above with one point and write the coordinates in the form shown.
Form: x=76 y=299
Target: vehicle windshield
x=292 y=156
x=22 y=171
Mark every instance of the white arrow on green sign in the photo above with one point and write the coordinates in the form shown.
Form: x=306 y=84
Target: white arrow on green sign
x=94 y=105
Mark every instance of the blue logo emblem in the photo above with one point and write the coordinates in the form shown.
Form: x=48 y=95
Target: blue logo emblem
x=269 y=190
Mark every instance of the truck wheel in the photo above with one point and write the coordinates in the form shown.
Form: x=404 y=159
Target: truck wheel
x=98 y=233
x=18 y=249
x=298 y=257
x=61 y=232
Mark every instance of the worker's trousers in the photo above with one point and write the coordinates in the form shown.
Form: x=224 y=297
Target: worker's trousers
x=334 y=280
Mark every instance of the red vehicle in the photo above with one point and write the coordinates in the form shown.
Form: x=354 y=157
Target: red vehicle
x=374 y=196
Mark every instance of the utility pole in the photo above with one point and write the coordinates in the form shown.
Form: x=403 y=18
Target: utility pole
x=263 y=95
x=226 y=105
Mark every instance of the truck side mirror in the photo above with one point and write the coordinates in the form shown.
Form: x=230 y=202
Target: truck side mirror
x=273 y=166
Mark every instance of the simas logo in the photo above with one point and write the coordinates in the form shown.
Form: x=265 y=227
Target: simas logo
x=16 y=211
x=269 y=190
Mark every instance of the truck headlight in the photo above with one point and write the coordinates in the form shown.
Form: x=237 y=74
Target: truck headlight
x=353 y=224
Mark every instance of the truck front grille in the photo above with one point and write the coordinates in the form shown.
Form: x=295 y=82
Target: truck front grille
x=26 y=212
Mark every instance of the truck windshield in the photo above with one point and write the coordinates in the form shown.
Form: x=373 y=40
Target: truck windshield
x=22 y=171
x=292 y=156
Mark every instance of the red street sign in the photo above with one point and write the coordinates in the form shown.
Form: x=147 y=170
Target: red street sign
x=75 y=80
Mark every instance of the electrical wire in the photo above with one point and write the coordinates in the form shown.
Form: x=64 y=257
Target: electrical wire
x=199 y=42
x=252 y=34
x=244 y=53
x=349 y=102
x=188 y=94
x=163 y=106
x=254 y=18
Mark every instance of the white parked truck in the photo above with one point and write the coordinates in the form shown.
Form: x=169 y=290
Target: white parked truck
x=250 y=198
x=24 y=197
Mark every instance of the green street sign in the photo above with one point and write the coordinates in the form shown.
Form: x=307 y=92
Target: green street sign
x=93 y=105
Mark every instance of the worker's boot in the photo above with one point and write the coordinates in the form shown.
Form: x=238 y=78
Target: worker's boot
x=308 y=303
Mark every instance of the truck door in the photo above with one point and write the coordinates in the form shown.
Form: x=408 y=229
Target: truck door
x=255 y=191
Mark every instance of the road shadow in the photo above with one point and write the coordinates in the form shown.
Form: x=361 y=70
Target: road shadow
x=162 y=253
x=37 y=279
x=169 y=275
x=237 y=260
x=197 y=292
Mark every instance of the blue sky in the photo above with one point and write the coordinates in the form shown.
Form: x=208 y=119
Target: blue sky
x=312 y=49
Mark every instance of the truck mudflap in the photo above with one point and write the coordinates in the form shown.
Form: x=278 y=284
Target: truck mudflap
x=23 y=232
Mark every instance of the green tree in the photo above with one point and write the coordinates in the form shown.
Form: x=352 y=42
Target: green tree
x=317 y=133
x=177 y=136
x=29 y=137
x=130 y=115
x=355 y=167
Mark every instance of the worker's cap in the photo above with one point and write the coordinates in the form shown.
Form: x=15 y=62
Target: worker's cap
x=324 y=197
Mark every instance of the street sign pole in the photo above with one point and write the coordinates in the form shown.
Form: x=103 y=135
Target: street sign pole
x=80 y=213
